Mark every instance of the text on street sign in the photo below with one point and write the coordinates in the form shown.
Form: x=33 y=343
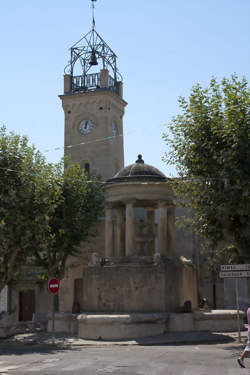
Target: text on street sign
x=235 y=274
x=235 y=267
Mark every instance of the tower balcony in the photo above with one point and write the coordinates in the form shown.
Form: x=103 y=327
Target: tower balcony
x=92 y=82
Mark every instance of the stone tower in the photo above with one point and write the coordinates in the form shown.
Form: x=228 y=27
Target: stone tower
x=94 y=107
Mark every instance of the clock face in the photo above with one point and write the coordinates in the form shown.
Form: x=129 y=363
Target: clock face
x=85 y=127
x=114 y=128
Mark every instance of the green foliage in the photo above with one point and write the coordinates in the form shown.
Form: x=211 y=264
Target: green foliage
x=46 y=210
x=21 y=210
x=210 y=146
x=77 y=203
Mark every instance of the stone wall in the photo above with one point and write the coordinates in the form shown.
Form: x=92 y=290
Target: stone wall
x=188 y=284
x=75 y=267
x=138 y=287
x=130 y=288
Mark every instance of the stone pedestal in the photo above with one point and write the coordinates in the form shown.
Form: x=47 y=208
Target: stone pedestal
x=120 y=88
x=64 y=322
x=121 y=326
x=136 y=284
x=104 y=78
x=67 y=83
x=6 y=326
x=212 y=321
x=217 y=320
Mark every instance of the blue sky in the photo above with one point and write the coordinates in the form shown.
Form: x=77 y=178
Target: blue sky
x=164 y=47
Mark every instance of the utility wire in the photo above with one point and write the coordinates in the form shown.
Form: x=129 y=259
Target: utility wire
x=85 y=143
x=172 y=180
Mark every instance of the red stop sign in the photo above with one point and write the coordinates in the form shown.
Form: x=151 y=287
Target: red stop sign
x=53 y=285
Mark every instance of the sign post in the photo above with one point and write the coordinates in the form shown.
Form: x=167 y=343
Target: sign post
x=53 y=287
x=238 y=308
x=236 y=271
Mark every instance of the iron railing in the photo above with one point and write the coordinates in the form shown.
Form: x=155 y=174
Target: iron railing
x=86 y=83
x=91 y=82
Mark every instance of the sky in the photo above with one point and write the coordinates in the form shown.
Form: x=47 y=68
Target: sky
x=164 y=48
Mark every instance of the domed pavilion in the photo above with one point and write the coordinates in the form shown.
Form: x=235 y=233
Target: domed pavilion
x=139 y=272
x=143 y=186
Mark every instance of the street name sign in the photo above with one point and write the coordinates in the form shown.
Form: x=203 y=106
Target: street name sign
x=235 y=267
x=235 y=274
x=235 y=270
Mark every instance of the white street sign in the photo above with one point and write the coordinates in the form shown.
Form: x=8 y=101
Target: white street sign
x=235 y=271
x=235 y=274
x=235 y=267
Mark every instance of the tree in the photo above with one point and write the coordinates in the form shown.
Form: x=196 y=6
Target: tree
x=46 y=210
x=22 y=211
x=77 y=202
x=210 y=146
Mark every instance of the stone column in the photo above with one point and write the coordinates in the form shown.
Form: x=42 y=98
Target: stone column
x=67 y=83
x=162 y=228
x=130 y=229
x=171 y=231
x=120 y=232
x=104 y=79
x=120 y=88
x=109 y=240
x=150 y=230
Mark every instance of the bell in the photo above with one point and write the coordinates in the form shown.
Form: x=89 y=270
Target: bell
x=93 y=60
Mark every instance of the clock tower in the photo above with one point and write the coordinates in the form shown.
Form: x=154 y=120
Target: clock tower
x=94 y=107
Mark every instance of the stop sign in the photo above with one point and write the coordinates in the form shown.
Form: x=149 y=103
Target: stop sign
x=53 y=285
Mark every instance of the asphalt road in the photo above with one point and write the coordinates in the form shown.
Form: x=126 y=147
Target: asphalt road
x=122 y=360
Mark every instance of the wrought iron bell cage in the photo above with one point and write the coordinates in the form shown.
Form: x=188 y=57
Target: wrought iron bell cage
x=89 y=51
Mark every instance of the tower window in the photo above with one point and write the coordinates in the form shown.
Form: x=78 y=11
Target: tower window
x=87 y=169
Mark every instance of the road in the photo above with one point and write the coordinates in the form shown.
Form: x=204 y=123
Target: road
x=122 y=360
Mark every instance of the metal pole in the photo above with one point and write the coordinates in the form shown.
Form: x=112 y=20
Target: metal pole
x=238 y=309
x=53 y=319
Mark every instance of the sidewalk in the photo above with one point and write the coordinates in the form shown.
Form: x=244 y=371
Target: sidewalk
x=170 y=338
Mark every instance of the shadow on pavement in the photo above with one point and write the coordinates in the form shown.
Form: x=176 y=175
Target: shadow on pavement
x=20 y=349
x=17 y=349
x=35 y=343
x=187 y=338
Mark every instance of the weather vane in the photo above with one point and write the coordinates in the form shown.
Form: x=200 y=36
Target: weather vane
x=93 y=14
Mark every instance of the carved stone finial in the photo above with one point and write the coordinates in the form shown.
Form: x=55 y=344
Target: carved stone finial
x=139 y=160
